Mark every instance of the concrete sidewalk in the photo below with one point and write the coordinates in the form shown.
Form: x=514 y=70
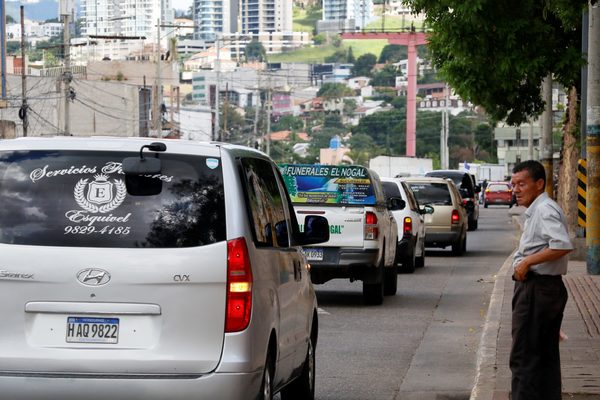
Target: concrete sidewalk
x=580 y=353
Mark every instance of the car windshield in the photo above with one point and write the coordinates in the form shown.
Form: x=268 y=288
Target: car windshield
x=462 y=181
x=498 y=188
x=328 y=184
x=431 y=193
x=80 y=198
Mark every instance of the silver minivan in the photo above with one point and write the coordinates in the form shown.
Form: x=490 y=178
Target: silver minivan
x=132 y=269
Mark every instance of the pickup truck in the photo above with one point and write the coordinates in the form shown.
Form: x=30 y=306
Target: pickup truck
x=363 y=231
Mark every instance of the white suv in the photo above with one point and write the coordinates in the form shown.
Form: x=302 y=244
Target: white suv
x=167 y=270
x=410 y=251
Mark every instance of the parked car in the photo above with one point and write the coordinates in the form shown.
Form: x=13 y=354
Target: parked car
x=155 y=270
x=410 y=250
x=362 y=245
x=465 y=182
x=447 y=226
x=498 y=193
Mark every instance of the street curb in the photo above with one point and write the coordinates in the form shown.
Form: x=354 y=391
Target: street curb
x=485 y=377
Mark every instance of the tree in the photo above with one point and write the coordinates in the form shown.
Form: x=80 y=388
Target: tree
x=255 y=51
x=385 y=77
x=364 y=64
x=339 y=56
x=496 y=53
x=10 y=20
x=393 y=53
x=320 y=39
x=350 y=58
x=288 y=122
x=334 y=91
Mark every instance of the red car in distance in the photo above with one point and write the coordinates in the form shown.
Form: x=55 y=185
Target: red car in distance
x=498 y=193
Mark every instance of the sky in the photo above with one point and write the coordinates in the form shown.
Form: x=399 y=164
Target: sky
x=181 y=4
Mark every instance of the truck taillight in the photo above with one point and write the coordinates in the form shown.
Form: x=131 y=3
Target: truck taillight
x=371 y=229
x=455 y=217
x=407 y=225
x=239 y=286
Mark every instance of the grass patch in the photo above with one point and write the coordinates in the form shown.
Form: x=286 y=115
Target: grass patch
x=394 y=23
x=305 y=20
x=319 y=53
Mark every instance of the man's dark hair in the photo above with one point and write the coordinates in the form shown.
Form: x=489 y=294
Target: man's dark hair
x=535 y=169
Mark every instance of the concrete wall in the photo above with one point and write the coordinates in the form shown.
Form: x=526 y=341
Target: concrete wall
x=99 y=108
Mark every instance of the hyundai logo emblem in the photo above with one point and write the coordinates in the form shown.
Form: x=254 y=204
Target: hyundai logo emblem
x=93 y=277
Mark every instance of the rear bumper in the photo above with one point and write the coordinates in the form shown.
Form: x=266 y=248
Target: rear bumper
x=441 y=239
x=345 y=263
x=234 y=386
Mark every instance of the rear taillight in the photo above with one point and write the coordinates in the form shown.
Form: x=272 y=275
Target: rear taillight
x=407 y=225
x=371 y=229
x=465 y=202
x=455 y=217
x=239 y=286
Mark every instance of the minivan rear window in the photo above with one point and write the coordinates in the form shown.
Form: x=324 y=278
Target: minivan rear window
x=79 y=198
x=431 y=193
x=328 y=184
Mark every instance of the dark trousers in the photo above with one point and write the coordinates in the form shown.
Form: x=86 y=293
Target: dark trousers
x=537 y=312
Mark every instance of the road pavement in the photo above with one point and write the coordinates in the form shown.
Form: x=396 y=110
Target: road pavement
x=422 y=343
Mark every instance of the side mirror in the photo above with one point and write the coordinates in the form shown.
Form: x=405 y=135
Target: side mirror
x=426 y=209
x=396 y=203
x=316 y=230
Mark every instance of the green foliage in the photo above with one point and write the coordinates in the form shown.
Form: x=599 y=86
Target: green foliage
x=339 y=56
x=334 y=91
x=255 y=51
x=385 y=77
x=399 y=102
x=393 y=53
x=10 y=20
x=349 y=107
x=305 y=19
x=288 y=122
x=350 y=59
x=13 y=47
x=364 y=64
x=320 y=39
x=496 y=53
x=333 y=121
x=336 y=41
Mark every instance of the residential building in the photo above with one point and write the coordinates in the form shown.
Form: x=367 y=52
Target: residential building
x=359 y=11
x=512 y=143
x=134 y=20
x=215 y=17
x=257 y=16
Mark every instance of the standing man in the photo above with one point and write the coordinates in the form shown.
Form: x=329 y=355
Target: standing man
x=540 y=296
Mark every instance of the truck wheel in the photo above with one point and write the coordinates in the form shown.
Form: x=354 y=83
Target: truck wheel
x=373 y=292
x=459 y=248
x=390 y=278
x=408 y=266
x=420 y=261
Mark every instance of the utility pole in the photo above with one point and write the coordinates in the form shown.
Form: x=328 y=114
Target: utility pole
x=67 y=72
x=444 y=156
x=546 y=142
x=225 y=109
x=156 y=118
x=593 y=143
x=269 y=95
x=256 y=109
x=217 y=88
x=23 y=112
x=530 y=141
